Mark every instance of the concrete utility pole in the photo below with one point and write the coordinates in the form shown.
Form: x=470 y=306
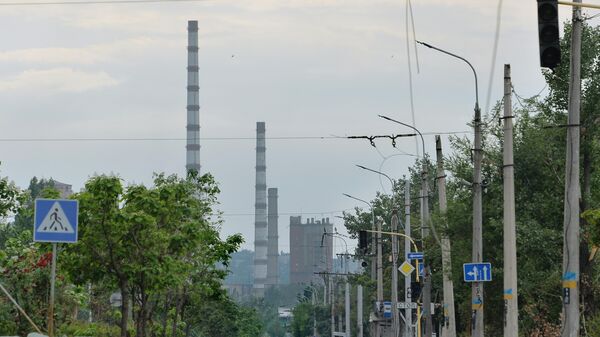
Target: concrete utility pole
x=373 y=254
x=347 y=294
x=314 y=301
x=407 y=279
x=359 y=311
x=571 y=274
x=379 y=278
x=477 y=287
x=511 y=309
x=424 y=208
x=449 y=322
x=395 y=317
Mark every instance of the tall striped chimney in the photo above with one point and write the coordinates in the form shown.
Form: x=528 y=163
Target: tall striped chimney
x=260 y=213
x=273 y=238
x=193 y=104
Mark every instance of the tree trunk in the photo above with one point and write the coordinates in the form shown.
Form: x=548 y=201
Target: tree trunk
x=178 y=305
x=166 y=314
x=124 y=306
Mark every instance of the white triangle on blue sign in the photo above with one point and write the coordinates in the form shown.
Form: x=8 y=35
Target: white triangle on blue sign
x=55 y=221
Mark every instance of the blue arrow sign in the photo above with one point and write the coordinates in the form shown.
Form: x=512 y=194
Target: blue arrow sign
x=415 y=256
x=421 y=270
x=55 y=220
x=477 y=272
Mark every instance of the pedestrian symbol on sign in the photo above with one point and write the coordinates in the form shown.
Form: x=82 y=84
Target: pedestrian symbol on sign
x=55 y=221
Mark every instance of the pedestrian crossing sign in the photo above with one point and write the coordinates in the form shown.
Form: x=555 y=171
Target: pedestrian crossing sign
x=55 y=220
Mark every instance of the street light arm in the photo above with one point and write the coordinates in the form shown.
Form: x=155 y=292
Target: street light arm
x=409 y=126
x=385 y=175
x=461 y=58
x=358 y=199
x=381 y=173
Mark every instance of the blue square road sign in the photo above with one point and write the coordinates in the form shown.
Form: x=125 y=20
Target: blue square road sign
x=55 y=220
x=477 y=272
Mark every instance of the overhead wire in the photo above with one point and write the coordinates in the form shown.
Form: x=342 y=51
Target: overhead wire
x=494 y=55
x=410 y=79
x=93 y=2
x=155 y=139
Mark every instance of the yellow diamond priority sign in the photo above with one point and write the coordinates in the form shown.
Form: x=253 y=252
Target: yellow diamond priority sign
x=406 y=268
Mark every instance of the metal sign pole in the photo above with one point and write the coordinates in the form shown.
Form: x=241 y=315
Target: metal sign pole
x=51 y=303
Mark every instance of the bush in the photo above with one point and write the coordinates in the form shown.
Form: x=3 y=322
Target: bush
x=89 y=329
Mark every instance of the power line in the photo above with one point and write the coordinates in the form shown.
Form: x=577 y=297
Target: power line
x=284 y=213
x=149 y=139
x=494 y=54
x=93 y=2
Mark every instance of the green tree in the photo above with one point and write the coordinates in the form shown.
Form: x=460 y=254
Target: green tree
x=149 y=242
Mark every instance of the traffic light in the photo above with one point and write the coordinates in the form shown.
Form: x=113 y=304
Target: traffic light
x=415 y=290
x=363 y=241
x=549 y=37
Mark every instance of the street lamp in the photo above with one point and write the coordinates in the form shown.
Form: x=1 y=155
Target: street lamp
x=394 y=223
x=477 y=288
x=313 y=300
x=424 y=209
x=373 y=266
x=347 y=294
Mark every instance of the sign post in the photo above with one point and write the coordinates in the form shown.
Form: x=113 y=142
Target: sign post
x=55 y=221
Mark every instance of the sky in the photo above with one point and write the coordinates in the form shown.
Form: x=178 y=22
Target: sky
x=307 y=68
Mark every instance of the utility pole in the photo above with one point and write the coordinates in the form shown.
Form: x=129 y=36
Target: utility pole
x=359 y=310
x=407 y=279
x=373 y=254
x=511 y=309
x=477 y=287
x=347 y=302
x=424 y=208
x=395 y=317
x=449 y=322
x=314 y=301
x=332 y=300
x=571 y=274
x=424 y=234
x=379 y=278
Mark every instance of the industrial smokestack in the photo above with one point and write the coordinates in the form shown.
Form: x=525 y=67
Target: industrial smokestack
x=260 y=213
x=273 y=238
x=193 y=104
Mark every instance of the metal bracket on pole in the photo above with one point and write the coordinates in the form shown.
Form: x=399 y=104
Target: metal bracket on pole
x=578 y=4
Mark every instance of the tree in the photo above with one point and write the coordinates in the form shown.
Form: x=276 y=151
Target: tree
x=150 y=242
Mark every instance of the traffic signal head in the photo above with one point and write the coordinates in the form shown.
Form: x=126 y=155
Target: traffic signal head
x=363 y=241
x=549 y=38
x=415 y=290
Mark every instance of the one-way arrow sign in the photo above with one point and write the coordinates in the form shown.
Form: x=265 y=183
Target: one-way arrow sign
x=477 y=272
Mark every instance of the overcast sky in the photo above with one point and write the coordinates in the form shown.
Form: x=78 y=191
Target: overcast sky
x=305 y=67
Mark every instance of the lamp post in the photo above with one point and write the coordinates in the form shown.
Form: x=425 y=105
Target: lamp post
x=347 y=290
x=477 y=287
x=314 y=302
x=394 y=223
x=424 y=202
x=373 y=263
x=373 y=267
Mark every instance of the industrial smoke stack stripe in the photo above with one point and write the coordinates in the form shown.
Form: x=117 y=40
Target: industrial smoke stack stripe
x=273 y=237
x=193 y=104
x=260 y=213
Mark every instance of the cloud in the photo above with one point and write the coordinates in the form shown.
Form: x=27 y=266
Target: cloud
x=91 y=54
x=58 y=80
